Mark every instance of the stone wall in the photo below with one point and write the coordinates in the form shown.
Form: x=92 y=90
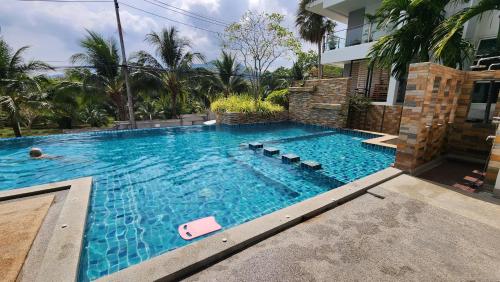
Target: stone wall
x=249 y=118
x=377 y=118
x=468 y=138
x=434 y=116
x=320 y=102
x=431 y=94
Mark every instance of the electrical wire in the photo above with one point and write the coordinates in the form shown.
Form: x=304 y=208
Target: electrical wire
x=195 y=16
x=172 y=20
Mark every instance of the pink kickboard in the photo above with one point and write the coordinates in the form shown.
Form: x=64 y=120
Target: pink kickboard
x=199 y=227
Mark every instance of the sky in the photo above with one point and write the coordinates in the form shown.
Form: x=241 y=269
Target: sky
x=53 y=30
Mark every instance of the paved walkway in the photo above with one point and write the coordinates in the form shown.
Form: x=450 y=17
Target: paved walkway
x=433 y=234
x=19 y=224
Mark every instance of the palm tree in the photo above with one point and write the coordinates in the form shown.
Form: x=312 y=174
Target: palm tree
x=412 y=23
x=103 y=56
x=174 y=65
x=228 y=75
x=313 y=28
x=452 y=28
x=17 y=88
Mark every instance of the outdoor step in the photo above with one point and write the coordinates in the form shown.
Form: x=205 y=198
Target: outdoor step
x=269 y=152
x=312 y=165
x=474 y=181
x=464 y=187
x=290 y=158
x=255 y=145
x=483 y=174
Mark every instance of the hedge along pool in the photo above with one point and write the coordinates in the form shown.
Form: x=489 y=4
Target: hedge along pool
x=148 y=182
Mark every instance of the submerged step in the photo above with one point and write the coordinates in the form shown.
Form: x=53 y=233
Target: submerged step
x=269 y=152
x=312 y=165
x=290 y=158
x=255 y=145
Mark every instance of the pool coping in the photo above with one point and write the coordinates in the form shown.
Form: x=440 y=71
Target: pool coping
x=379 y=141
x=62 y=257
x=187 y=260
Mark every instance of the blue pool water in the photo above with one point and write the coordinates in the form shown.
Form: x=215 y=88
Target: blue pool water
x=148 y=182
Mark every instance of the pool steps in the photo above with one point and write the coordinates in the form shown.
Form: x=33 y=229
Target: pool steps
x=312 y=165
x=269 y=152
x=287 y=158
x=290 y=158
x=255 y=146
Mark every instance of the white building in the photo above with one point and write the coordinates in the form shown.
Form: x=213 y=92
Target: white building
x=350 y=47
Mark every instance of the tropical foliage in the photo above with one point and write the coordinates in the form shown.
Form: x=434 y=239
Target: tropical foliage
x=19 y=90
x=412 y=24
x=446 y=34
x=244 y=104
x=106 y=80
x=228 y=77
x=170 y=70
x=259 y=39
x=313 y=28
x=279 y=97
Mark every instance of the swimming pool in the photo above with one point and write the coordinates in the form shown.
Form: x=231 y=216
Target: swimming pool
x=148 y=182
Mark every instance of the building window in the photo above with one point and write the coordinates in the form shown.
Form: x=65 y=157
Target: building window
x=483 y=101
x=486 y=47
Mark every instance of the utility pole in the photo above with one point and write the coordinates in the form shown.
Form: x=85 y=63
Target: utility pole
x=130 y=101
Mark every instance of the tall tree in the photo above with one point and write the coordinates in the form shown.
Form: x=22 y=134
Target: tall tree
x=174 y=64
x=259 y=39
x=411 y=25
x=18 y=88
x=446 y=34
x=313 y=28
x=228 y=77
x=106 y=78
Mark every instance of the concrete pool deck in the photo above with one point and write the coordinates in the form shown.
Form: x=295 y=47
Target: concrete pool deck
x=403 y=229
x=55 y=241
x=19 y=225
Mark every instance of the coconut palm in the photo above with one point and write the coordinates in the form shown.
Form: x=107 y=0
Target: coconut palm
x=18 y=88
x=106 y=78
x=228 y=76
x=174 y=63
x=313 y=28
x=412 y=24
x=450 y=29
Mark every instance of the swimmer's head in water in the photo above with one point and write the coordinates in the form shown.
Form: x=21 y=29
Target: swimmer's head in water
x=36 y=152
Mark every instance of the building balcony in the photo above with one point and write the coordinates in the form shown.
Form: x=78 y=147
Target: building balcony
x=349 y=44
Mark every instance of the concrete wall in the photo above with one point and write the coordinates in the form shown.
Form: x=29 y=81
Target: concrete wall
x=321 y=102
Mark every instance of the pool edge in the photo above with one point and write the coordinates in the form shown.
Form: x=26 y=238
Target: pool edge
x=185 y=261
x=61 y=260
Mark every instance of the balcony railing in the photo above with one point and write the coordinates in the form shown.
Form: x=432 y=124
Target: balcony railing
x=351 y=36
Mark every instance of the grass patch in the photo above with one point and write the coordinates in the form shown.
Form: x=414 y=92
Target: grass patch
x=8 y=132
x=244 y=104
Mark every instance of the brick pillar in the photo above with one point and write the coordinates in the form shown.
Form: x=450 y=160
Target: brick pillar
x=427 y=110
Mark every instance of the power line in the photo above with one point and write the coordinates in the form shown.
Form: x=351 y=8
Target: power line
x=200 y=18
x=172 y=20
x=130 y=6
x=194 y=14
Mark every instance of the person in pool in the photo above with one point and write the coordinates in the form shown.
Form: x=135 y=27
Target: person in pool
x=37 y=153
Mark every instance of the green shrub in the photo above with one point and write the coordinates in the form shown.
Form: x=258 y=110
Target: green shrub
x=244 y=104
x=279 y=97
x=94 y=116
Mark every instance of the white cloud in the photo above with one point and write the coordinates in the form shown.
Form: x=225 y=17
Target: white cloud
x=54 y=29
x=211 y=5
